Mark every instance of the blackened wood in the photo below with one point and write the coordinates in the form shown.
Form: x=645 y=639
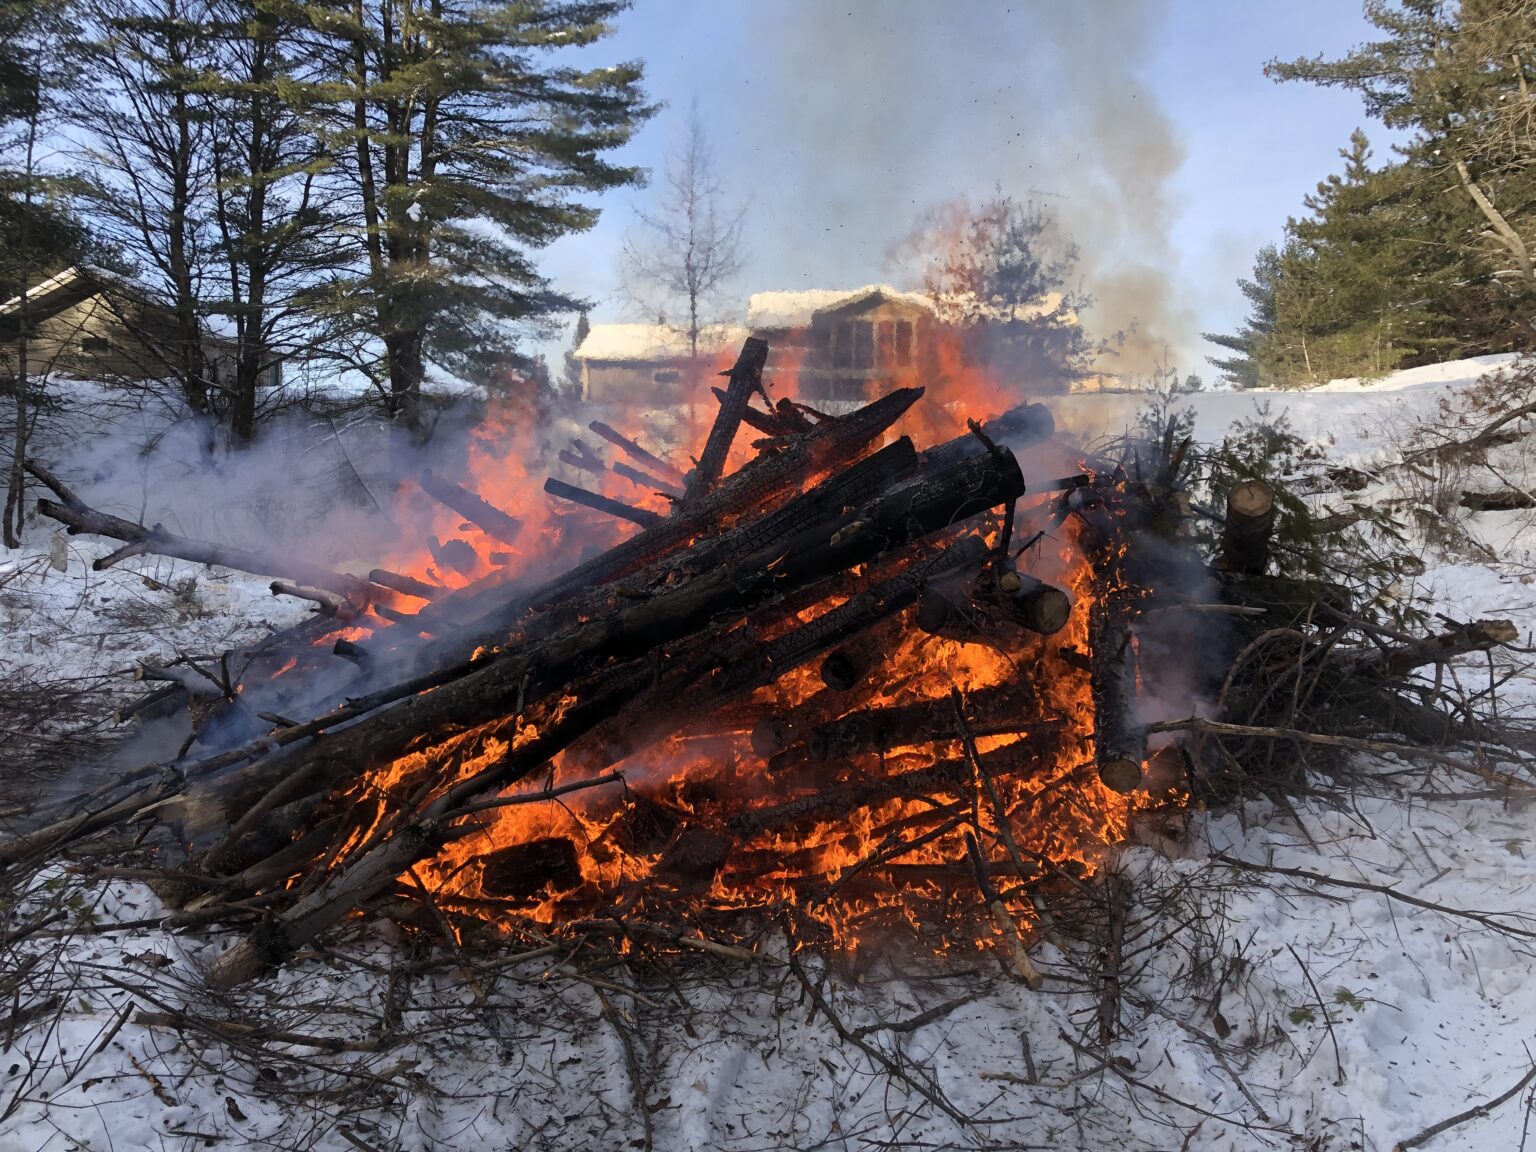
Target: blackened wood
x=648 y=459
x=943 y=777
x=641 y=516
x=1250 y=521
x=842 y=670
x=1120 y=742
x=1017 y=428
x=520 y=871
x=684 y=693
x=473 y=507
x=645 y=480
x=746 y=378
x=406 y=585
x=458 y=555
x=694 y=858
x=1000 y=710
x=584 y=462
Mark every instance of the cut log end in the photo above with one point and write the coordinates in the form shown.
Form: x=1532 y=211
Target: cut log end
x=841 y=671
x=1120 y=774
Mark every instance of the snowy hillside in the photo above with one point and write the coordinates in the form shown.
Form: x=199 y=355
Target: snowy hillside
x=1327 y=978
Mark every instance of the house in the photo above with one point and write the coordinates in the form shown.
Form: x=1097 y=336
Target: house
x=647 y=365
x=92 y=324
x=849 y=346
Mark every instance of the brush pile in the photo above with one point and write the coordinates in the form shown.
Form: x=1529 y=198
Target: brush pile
x=891 y=687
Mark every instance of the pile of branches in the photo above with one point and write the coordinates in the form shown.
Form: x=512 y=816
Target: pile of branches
x=278 y=822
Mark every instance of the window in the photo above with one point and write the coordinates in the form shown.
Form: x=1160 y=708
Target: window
x=667 y=376
x=885 y=346
x=842 y=349
x=864 y=344
x=903 y=342
x=95 y=344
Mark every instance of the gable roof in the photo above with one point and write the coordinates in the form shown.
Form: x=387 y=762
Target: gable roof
x=767 y=311
x=65 y=289
x=651 y=343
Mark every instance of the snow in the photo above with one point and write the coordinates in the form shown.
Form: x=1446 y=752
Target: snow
x=767 y=311
x=652 y=343
x=1329 y=977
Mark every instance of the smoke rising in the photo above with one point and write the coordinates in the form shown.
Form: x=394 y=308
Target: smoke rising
x=872 y=113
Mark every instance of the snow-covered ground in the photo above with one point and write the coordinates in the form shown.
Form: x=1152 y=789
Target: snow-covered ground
x=1328 y=978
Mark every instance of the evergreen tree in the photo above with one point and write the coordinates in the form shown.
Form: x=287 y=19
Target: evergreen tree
x=275 y=239
x=1457 y=77
x=1001 y=273
x=1243 y=368
x=466 y=147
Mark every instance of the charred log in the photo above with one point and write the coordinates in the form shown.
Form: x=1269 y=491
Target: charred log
x=483 y=515
x=1120 y=743
x=641 y=516
x=746 y=378
x=648 y=460
x=522 y=871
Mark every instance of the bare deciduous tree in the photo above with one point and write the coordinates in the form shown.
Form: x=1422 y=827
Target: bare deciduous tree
x=686 y=251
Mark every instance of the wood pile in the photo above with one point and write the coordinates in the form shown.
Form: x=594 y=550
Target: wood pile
x=853 y=674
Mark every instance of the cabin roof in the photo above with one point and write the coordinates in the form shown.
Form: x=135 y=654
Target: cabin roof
x=653 y=343
x=768 y=311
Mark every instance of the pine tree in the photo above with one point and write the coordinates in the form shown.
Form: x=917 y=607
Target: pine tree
x=275 y=238
x=466 y=148
x=1001 y=273
x=1243 y=369
x=1458 y=79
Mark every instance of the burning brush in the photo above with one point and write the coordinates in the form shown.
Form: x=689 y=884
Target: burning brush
x=884 y=686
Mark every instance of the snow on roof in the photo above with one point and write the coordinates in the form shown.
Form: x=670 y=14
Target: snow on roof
x=644 y=343
x=769 y=310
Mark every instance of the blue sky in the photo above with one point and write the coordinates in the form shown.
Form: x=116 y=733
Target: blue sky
x=1149 y=126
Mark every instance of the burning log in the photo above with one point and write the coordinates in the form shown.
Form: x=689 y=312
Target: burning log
x=943 y=777
x=878 y=730
x=993 y=612
x=521 y=871
x=754 y=485
x=405 y=585
x=842 y=670
x=1120 y=743
x=483 y=515
x=459 y=555
x=1018 y=428
x=644 y=480
x=581 y=457
x=641 y=516
x=648 y=460
x=1249 y=524
x=746 y=378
